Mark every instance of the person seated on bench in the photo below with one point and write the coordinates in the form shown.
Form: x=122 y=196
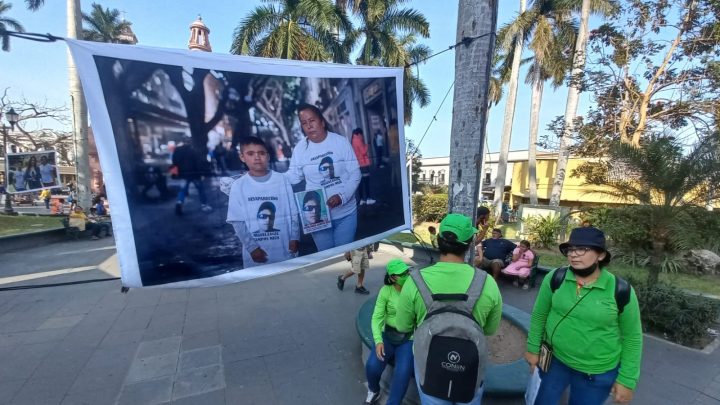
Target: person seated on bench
x=521 y=265
x=79 y=220
x=390 y=344
x=493 y=253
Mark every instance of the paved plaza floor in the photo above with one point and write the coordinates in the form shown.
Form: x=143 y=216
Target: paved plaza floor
x=288 y=339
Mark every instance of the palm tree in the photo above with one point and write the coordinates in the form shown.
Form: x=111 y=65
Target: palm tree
x=105 y=25
x=550 y=34
x=578 y=66
x=294 y=29
x=666 y=181
x=388 y=37
x=473 y=68
x=381 y=22
x=414 y=88
x=79 y=108
x=6 y=24
x=516 y=55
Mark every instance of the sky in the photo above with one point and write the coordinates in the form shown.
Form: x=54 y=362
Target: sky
x=38 y=71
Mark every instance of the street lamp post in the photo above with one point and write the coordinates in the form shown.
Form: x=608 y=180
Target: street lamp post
x=12 y=118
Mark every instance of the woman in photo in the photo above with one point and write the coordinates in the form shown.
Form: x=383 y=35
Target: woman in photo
x=390 y=344
x=326 y=160
x=361 y=152
x=596 y=344
x=32 y=174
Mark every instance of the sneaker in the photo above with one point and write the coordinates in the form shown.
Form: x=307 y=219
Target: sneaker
x=340 y=283
x=372 y=398
x=205 y=208
x=178 y=209
x=362 y=290
x=95 y=237
x=370 y=201
x=526 y=286
x=362 y=202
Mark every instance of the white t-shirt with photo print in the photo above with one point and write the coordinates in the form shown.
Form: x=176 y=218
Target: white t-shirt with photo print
x=305 y=164
x=247 y=194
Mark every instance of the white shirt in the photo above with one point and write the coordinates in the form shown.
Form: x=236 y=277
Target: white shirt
x=305 y=165
x=247 y=194
x=20 y=179
x=46 y=173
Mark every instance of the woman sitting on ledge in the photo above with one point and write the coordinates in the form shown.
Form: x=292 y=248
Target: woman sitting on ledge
x=389 y=343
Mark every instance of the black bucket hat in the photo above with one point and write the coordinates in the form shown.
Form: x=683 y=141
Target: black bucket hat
x=590 y=237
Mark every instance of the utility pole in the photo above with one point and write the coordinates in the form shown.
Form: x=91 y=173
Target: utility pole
x=79 y=111
x=477 y=22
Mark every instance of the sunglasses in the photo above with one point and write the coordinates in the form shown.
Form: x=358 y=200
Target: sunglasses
x=265 y=216
x=310 y=207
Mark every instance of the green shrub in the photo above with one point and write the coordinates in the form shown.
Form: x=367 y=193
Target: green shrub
x=681 y=317
x=543 y=230
x=431 y=207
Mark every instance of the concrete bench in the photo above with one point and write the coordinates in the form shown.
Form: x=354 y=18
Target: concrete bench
x=502 y=380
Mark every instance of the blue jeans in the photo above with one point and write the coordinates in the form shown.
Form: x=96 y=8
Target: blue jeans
x=184 y=191
x=430 y=400
x=402 y=371
x=585 y=389
x=341 y=233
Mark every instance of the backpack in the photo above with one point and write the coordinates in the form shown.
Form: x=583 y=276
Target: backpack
x=622 y=288
x=449 y=347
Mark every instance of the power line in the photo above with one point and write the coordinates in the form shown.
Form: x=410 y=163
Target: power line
x=465 y=41
x=434 y=118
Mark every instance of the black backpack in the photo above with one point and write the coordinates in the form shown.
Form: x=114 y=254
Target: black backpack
x=622 y=287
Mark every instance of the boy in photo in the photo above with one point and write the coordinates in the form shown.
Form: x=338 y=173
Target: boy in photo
x=261 y=209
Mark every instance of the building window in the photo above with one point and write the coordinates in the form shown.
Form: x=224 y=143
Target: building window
x=432 y=177
x=487 y=178
x=441 y=177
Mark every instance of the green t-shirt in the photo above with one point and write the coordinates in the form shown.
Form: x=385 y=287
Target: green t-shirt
x=593 y=338
x=384 y=312
x=449 y=278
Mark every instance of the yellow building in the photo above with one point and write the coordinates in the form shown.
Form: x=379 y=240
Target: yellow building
x=575 y=193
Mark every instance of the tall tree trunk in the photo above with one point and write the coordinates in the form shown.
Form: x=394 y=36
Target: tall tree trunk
x=508 y=124
x=79 y=110
x=537 y=92
x=473 y=64
x=571 y=105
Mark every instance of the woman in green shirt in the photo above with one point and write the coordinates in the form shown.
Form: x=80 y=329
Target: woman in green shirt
x=389 y=342
x=596 y=347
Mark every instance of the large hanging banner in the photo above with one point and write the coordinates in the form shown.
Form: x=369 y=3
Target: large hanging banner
x=222 y=168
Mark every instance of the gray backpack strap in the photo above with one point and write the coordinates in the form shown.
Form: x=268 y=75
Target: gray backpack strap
x=475 y=290
x=423 y=289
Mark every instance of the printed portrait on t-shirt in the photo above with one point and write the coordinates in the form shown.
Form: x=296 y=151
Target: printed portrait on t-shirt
x=266 y=217
x=327 y=168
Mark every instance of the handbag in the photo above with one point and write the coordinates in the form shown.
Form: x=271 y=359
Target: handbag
x=546 y=352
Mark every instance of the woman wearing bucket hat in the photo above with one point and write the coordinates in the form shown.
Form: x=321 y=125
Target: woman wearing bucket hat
x=593 y=345
x=389 y=342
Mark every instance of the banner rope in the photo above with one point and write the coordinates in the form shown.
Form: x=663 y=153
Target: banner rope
x=32 y=36
x=434 y=118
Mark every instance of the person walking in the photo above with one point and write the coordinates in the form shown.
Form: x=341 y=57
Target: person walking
x=390 y=344
x=361 y=152
x=463 y=303
x=359 y=263
x=593 y=345
x=192 y=169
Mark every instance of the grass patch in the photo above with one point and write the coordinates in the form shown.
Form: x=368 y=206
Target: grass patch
x=19 y=224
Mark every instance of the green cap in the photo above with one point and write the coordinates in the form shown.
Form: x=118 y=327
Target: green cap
x=396 y=266
x=458 y=224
